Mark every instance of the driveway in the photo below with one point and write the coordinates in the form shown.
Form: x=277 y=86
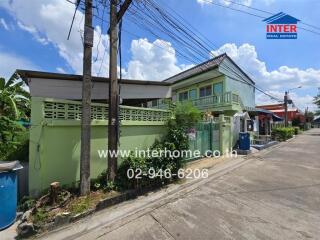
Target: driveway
x=273 y=195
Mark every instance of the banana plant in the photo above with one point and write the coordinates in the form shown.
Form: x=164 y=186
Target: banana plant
x=14 y=99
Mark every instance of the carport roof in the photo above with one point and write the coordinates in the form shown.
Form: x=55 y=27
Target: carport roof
x=25 y=74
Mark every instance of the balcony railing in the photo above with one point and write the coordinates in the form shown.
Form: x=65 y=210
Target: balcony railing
x=215 y=101
x=225 y=99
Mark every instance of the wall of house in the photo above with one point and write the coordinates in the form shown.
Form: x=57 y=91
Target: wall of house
x=55 y=141
x=235 y=81
x=245 y=91
x=198 y=85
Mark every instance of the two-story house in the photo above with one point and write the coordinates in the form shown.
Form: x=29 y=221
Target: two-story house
x=216 y=86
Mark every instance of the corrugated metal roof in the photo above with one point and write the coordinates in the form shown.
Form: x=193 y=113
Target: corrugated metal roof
x=59 y=76
x=203 y=67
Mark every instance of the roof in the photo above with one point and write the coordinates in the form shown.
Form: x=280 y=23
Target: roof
x=244 y=115
x=281 y=18
x=201 y=68
x=316 y=119
x=271 y=106
x=258 y=110
x=264 y=112
x=204 y=67
x=289 y=110
x=25 y=74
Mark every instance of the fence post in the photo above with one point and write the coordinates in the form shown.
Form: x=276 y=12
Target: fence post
x=37 y=117
x=211 y=136
x=221 y=128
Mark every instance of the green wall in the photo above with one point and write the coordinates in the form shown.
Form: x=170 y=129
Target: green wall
x=56 y=155
x=54 y=152
x=245 y=91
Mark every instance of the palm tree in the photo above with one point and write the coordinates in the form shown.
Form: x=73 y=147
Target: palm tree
x=14 y=99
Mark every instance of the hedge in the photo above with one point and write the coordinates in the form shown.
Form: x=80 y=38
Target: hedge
x=284 y=133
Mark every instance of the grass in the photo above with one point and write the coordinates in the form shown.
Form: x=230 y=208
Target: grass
x=40 y=216
x=82 y=204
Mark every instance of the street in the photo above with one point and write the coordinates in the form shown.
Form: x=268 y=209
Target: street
x=272 y=195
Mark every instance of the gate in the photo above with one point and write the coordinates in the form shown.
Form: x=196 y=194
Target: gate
x=205 y=136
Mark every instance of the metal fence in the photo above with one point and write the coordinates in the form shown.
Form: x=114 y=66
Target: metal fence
x=207 y=137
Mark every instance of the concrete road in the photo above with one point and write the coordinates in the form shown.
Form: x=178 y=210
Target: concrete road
x=273 y=195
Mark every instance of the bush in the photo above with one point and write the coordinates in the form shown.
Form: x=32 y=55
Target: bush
x=282 y=134
x=176 y=139
x=296 y=122
x=134 y=163
x=296 y=130
x=12 y=139
x=102 y=183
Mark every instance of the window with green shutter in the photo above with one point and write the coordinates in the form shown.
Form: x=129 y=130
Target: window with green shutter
x=192 y=94
x=218 y=88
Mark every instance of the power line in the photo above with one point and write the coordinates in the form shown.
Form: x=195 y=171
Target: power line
x=156 y=18
x=227 y=68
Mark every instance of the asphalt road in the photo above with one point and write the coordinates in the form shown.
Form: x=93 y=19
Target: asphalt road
x=275 y=195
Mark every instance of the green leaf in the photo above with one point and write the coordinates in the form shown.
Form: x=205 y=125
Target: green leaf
x=2 y=83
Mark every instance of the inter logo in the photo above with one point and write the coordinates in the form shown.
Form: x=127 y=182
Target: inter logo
x=281 y=26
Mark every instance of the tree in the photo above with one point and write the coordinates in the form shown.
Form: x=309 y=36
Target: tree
x=317 y=102
x=14 y=99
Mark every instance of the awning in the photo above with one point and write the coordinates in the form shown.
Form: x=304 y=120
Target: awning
x=257 y=111
x=243 y=115
x=276 y=118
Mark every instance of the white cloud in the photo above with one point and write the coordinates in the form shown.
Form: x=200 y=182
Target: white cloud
x=60 y=70
x=153 y=60
x=49 y=22
x=10 y=62
x=4 y=24
x=226 y=2
x=275 y=81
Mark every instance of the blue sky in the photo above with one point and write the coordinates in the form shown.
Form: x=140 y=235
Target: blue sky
x=33 y=36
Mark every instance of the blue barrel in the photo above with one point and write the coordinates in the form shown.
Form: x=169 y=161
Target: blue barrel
x=8 y=198
x=244 y=141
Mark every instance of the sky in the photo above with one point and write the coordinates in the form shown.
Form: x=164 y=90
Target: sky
x=33 y=36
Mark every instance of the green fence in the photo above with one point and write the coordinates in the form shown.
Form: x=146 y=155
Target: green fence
x=211 y=136
x=54 y=153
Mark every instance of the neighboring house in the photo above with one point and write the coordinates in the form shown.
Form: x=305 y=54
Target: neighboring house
x=278 y=109
x=218 y=86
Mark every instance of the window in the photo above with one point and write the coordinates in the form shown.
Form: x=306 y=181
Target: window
x=192 y=94
x=154 y=103
x=218 y=88
x=206 y=91
x=183 y=96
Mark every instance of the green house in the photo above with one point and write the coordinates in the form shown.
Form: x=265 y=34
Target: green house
x=218 y=86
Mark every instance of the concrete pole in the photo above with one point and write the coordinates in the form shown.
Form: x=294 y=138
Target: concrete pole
x=286 y=109
x=86 y=102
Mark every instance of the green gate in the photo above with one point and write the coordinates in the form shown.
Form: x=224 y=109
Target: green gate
x=205 y=136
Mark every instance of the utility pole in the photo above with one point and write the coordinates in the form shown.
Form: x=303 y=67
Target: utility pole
x=113 y=92
x=113 y=122
x=86 y=102
x=286 y=109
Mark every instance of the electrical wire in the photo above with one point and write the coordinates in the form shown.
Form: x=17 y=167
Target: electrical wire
x=153 y=17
